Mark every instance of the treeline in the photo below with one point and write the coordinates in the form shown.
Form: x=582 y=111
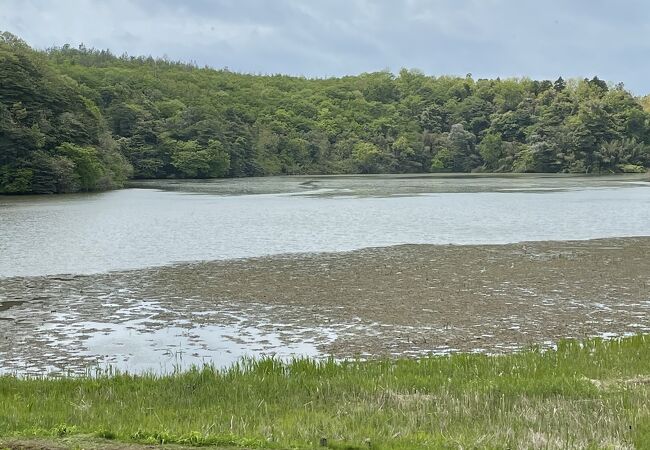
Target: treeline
x=81 y=119
x=53 y=138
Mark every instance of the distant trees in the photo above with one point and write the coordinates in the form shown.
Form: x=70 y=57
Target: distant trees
x=191 y=160
x=456 y=151
x=370 y=158
x=83 y=119
x=492 y=150
x=52 y=137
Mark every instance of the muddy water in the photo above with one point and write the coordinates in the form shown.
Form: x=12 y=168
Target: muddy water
x=404 y=300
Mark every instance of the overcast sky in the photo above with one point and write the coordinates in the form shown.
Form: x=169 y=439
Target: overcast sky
x=488 y=38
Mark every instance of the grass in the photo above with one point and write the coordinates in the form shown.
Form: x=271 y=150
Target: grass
x=594 y=394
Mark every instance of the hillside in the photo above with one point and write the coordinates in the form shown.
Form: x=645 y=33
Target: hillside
x=52 y=137
x=84 y=119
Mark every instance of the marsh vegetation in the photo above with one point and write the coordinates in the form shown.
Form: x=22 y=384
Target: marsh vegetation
x=592 y=394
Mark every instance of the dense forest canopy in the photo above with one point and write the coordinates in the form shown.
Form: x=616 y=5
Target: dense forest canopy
x=83 y=119
x=52 y=137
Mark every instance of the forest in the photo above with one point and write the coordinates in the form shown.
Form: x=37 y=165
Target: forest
x=82 y=119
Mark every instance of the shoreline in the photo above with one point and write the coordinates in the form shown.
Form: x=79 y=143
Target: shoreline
x=156 y=183
x=69 y=276
x=399 y=301
x=525 y=400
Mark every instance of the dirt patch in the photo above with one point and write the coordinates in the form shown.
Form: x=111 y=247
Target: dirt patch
x=406 y=300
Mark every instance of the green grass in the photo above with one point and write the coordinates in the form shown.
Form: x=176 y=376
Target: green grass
x=594 y=394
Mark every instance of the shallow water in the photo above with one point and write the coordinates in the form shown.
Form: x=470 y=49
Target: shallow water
x=170 y=222
x=142 y=310
x=410 y=300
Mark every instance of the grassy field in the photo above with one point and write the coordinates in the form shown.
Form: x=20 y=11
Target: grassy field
x=594 y=394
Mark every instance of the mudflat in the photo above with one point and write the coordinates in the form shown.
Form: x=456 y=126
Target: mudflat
x=406 y=300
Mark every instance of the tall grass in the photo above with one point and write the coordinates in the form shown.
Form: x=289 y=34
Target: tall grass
x=594 y=394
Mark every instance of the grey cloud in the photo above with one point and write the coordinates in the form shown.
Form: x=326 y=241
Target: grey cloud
x=322 y=38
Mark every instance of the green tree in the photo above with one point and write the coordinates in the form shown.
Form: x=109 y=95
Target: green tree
x=88 y=168
x=369 y=158
x=193 y=161
x=80 y=118
x=491 y=150
x=462 y=145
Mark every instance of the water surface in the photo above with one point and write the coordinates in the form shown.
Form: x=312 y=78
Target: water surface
x=163 y=222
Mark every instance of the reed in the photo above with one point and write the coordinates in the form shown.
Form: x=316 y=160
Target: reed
x=591 y=394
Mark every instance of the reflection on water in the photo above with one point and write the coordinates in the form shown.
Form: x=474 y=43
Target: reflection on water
x=136 y=347
x=89 y=323
x=136 y=228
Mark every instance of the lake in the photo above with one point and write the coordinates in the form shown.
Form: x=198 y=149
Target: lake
x=169 y=274
x=157 y=223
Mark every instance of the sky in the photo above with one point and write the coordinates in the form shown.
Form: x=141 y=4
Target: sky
x=541 y=39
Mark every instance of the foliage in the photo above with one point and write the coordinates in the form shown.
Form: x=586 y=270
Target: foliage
x=191 y=160
x=52 y=137
x=174 y=120
x=531 y=399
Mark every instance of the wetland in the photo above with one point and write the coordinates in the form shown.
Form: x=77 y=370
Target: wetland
x=167 y=275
